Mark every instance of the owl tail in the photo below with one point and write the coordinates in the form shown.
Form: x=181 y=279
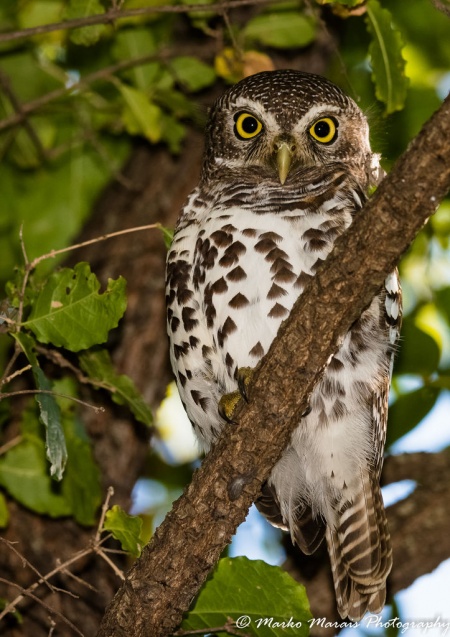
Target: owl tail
x=360 y=553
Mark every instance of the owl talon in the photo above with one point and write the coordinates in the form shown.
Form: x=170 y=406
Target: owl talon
x=228 y=405
x=307 y=411
x=244 y=377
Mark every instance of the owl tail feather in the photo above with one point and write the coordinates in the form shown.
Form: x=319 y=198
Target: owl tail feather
x=360 y=553
x=306 y=531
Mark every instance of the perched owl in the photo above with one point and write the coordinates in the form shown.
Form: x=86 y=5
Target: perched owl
x=287 y=165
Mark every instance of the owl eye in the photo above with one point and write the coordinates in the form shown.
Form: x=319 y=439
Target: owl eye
x=324 y=130
x=246 y=126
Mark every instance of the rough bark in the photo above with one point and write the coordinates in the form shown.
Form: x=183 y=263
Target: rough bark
x=161 y=584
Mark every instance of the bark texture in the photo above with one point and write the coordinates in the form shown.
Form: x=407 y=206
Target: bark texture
x=162 y=583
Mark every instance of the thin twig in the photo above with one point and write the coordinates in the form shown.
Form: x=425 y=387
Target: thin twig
x=83 y=83
x=61 y=567
x=18 y=372
x=26 y=593
x=25 y=562
x=114 y=14
x=17 y=106
x=80 y=581
x=441 y=6
x=51 y=393
x=76 y=246
x=105 y=507
x=9 y=445
x=11 y=362
x=115 y=568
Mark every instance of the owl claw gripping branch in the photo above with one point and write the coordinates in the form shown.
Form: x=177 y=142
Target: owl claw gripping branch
x=287 y=166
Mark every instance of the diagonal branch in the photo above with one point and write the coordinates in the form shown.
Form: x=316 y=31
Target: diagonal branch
x=161 y=585
x=115 y=13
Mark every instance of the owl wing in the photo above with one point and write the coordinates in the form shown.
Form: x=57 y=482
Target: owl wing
x=361 y=565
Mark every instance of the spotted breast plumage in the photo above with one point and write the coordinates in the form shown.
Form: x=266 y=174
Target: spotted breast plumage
x=287 y=165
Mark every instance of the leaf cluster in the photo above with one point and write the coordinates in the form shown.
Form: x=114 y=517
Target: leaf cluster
x=62 y=317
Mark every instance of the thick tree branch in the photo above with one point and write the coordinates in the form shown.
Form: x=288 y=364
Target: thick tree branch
x=162 y=583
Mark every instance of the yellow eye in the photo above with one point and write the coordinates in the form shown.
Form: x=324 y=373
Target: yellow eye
x=246 y=126
x=324 y=130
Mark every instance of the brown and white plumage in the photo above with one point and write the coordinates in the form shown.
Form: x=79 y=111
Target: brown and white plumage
x=275 y=192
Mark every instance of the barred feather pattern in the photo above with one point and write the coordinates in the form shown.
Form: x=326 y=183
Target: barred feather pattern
x=244 y=250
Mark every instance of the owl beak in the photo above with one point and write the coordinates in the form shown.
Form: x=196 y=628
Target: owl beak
x=284 y=152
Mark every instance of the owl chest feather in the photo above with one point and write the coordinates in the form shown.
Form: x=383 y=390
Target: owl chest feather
x=235 y=270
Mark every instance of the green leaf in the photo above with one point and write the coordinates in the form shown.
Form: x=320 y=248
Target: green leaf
x=388 y=64
x=69 y=311
x=4 y=512
x=134 y=43
x=81 y=486
x=98 y=366
x=192 y=73
x=140 y=116
x=419 y=352
x=167 y=236
x=64 y=193
x=50 y=416
x=268 y=600
x=282 y=30
x=50 y=413
x=86 y=36
x=24 y=474
x=408 y=410
x=125 y=528
x=442 y=297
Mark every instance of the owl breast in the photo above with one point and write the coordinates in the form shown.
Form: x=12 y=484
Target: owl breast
x=240 y=259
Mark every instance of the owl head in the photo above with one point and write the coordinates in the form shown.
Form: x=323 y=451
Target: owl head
x=282 y=120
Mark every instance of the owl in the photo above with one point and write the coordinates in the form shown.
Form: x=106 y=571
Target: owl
x=287 y=166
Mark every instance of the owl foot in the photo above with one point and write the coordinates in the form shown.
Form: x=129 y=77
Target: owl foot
x=244 y=377
x=228 y=406
x=229 y=403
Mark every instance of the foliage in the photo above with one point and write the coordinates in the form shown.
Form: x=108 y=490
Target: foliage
x=125 y=528
x=234 y=590
x=71 y=102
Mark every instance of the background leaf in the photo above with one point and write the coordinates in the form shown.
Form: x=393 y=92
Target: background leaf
x=4 y=512
x=125 y=528
x=242 y=587
x=140 y=116
x=192 y=73
x=419 y=353
x=282 y=30
x=69 y=311
x=408 y=410
x=85 y=36
x=98 y=366
x=24 y=473
x=50 y=415
x=388 y=64
x=49 y=411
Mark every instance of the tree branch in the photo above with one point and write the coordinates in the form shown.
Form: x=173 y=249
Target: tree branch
x=160 y=586
x=115 y=13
